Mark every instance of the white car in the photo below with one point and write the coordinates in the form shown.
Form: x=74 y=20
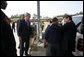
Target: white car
x=78 y=20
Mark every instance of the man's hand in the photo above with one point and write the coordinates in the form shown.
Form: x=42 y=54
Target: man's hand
x=44 y=46
x=44 y=41
x=20 y=38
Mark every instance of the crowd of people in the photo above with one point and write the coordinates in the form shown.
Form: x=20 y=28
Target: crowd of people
x=59 y=40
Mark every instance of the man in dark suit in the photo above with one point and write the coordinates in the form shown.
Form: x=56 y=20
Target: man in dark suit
x=24 y=34
x=8 y=45
x=69 y=33
x=18 y=24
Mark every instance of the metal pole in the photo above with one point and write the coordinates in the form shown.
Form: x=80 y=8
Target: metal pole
x=38 y=13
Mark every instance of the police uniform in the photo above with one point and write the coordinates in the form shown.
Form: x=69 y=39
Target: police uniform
x=8 y=45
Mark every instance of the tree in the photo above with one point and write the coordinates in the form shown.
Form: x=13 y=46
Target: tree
x=65 y=14
x=15 y=16
x=62 y=15
x=11 y=17
x=46 y=17
x=79 y=13
x=36 y=16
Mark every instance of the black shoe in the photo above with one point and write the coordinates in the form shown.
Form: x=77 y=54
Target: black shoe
x=19 y=47
x=27 y=54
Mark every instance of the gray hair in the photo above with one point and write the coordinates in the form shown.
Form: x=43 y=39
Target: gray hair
x=27 y=14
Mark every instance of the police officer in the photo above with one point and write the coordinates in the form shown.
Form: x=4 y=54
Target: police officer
x=8 y=45
x=52 y=37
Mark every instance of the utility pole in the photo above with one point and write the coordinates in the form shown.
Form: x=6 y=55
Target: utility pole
x=38 y=14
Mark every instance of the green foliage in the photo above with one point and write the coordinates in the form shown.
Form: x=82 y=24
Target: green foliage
x=79 y=13
x=15 y=16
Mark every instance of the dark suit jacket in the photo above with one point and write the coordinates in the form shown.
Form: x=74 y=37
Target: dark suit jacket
x=69 y=35
x=53 y=34
x=24 y=30
x=7 y=40
x=18 y=24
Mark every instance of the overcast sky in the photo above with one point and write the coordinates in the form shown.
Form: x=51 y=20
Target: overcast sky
x=47 y=8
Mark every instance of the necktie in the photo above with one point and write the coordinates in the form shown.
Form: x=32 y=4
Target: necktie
x=27 y=23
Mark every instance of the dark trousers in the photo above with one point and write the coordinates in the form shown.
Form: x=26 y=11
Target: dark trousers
x=24 y=46
x=13 y=29
x=53 y=50
x=67 y=52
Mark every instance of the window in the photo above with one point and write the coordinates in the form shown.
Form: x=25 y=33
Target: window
x=80 y=27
